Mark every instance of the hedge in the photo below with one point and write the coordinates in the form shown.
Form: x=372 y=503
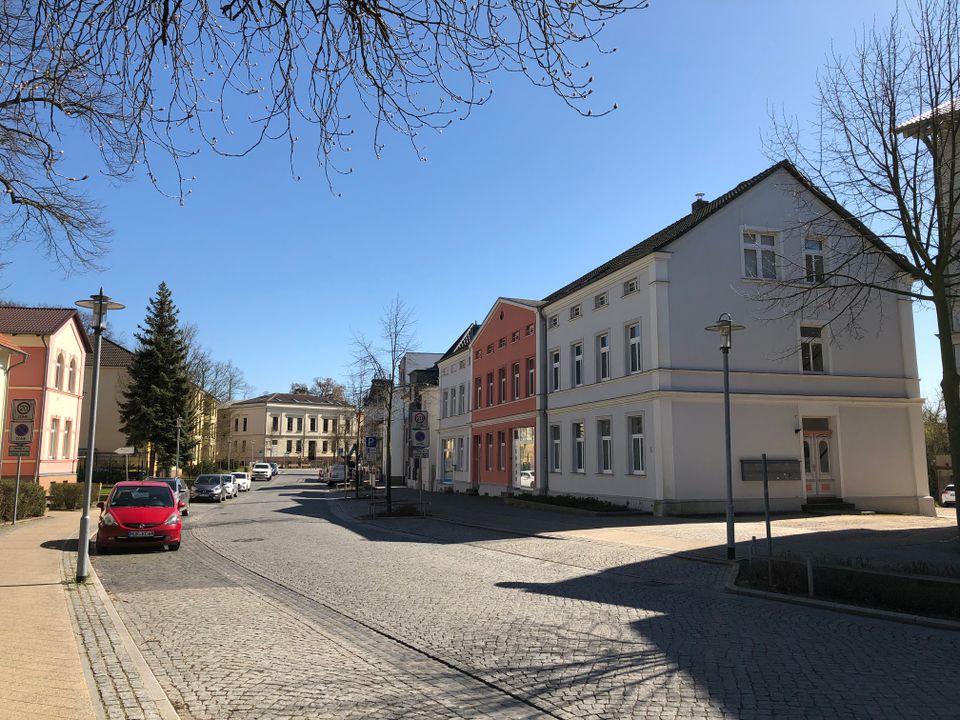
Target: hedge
x=66 y=496
x=33 y=500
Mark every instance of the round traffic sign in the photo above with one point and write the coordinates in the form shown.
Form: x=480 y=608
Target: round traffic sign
x=23 y=407
x=21 y=430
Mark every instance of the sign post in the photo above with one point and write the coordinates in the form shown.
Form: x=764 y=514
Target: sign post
x=16 y=492
x=126 y=452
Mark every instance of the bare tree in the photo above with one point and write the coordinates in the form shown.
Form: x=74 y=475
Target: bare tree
x=151 y=84
x=380 y=357
x=884 y=151
x=356 y=394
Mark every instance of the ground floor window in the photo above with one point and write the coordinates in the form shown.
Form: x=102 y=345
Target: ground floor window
x=578 y=447
x=555 y=448
x=524 y=454
x=605 y=454
x=446 y=460
x=460 y=466
x=501 y=451
x=637 y=459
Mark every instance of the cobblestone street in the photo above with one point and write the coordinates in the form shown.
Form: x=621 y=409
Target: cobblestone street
x=285 y=603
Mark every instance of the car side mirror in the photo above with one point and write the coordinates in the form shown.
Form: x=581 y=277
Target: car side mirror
x=181 y=505
x=100 y=504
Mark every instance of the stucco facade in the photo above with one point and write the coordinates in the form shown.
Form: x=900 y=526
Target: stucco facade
x=455 y=400
x=503 y=419
x=52 y=375
x=641 y=420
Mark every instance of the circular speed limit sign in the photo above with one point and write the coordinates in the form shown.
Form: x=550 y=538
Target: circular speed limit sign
x=23 y=407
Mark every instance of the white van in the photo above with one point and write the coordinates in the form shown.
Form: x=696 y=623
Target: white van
x=338 y=474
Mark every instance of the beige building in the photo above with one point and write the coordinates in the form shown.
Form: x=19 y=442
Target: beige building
x=115 y=362
x=285 y=428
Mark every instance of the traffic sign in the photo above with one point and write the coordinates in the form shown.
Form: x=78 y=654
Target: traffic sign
x=370 y=441
x=23 y=410
x=420 y=452
x=419 y=439
x=128 y=450
x=418 y=420
x=21 y=432
x=18 y=451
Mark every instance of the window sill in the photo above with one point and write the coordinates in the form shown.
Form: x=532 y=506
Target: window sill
x=760 y=280
x=639 y=473
x=605 y=472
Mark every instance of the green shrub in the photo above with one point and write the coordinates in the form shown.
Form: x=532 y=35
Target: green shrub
x=574 y=501
x=66 y=496
x=33 y=500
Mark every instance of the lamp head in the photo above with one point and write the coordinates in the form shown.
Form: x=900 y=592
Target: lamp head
x=99 y=305
x=726 y=328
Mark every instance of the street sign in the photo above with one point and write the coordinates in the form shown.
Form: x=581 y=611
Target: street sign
x=18 y=451
x=419 y=439
x=23 y=410
x=21 y=432
x=420 y=452
x=370 y=441
x=123 y=451
x=418 y=420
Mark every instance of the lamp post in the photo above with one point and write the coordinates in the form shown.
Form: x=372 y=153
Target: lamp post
x=726 y=328
x=99 y=304
x=176 y=472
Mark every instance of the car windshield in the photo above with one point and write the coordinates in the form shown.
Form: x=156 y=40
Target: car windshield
x=172 y=484
x=208 y=480
x=148 y=496
x=239 y=475
x=261 y=467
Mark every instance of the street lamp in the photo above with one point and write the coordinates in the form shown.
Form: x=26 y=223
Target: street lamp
x=99 y=304
x=726 y=328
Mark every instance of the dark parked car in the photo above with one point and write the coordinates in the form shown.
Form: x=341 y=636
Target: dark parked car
x=211 y=487
x=180 y=491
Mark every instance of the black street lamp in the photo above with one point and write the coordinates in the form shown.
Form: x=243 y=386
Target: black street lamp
x=99 y=304
x=726 y=328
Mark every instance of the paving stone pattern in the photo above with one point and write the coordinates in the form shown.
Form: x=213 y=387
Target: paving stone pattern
x=121 y=690
x=284 y=605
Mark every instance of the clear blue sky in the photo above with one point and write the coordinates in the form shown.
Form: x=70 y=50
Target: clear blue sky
x=278 y=274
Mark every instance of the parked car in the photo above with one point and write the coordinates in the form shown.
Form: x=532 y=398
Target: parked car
x=230 y=487
x=210 y=487
x=337 y=474
x=274 y=469
x=180 y=491
x=243 y=481
x=262 y=471
x=949 y=496
x=139 y=513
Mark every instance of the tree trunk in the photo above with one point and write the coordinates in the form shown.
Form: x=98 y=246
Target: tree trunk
x=386 y=463
x=950 y=384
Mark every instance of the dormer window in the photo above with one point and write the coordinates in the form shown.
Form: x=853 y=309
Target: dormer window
x=600 y=301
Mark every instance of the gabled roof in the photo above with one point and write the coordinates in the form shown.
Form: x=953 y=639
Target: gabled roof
x=291 y=399
x=914 y=126
x=16 y=320
x=462 y=343
x=112 y=355
x=671 y=232
x=522 y=302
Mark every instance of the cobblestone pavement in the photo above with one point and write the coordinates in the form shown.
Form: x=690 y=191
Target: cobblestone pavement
x=283 y=604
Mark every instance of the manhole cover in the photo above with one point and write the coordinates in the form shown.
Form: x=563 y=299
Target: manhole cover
x=248 y=540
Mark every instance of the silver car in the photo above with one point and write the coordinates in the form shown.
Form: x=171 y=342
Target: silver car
x=210 y=487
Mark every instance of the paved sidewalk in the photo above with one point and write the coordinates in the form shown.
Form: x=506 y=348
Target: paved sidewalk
x=41 y=665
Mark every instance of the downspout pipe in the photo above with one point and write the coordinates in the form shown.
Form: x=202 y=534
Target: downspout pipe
x=544 y=455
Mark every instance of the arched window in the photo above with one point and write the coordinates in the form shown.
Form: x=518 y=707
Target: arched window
x=72 y=376
x=58 y=373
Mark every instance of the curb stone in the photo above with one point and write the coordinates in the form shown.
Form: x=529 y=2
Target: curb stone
x=121 y=678
x=906 y=618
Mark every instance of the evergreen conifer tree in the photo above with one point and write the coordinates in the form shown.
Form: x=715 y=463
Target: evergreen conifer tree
x=159 y=389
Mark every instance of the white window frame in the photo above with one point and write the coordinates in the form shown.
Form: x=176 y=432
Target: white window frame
x=72 y=376
x=810 y=260
x=805 y=344
x=443 y=404
x=576 y=364
x=531 y=377
x=578 y=446
x=636 y=442
x=58 y=372
x=54 y=438
x=603 y=357
x=554 y=370
x=575 y=311
x=501 y=450
x=555 y=448
x=634 y=348
x=631 y=286
x=553 y=321
x=515 y=371
x=459 y=466
x=601 y=300
x=462 y=399
x=758 y=248
x=67 y=438
x=605 y=446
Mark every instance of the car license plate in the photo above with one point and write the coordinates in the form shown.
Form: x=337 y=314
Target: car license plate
x=140 y=533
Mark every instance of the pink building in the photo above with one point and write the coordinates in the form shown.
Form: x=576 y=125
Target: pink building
x=51 y=375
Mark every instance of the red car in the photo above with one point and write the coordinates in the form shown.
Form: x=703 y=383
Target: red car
x=139 y=514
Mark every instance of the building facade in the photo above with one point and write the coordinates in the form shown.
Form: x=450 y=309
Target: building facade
x=290 y=429
x=51 y=375
x=405 y=397
x=634 y=402
x=504 y=415
x=455 y=394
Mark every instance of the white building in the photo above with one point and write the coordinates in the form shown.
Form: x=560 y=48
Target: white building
x=286 y=428
x=634 y=384
x=453 y=449
x=410 y=385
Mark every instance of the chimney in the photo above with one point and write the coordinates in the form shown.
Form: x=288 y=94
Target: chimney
x=698 y=204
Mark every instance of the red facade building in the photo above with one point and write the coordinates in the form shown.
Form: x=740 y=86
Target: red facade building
x=504 y=418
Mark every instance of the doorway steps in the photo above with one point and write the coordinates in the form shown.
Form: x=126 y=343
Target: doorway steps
x=827 y=506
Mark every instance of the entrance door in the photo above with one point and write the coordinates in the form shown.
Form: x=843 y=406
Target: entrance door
x=818 y=465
